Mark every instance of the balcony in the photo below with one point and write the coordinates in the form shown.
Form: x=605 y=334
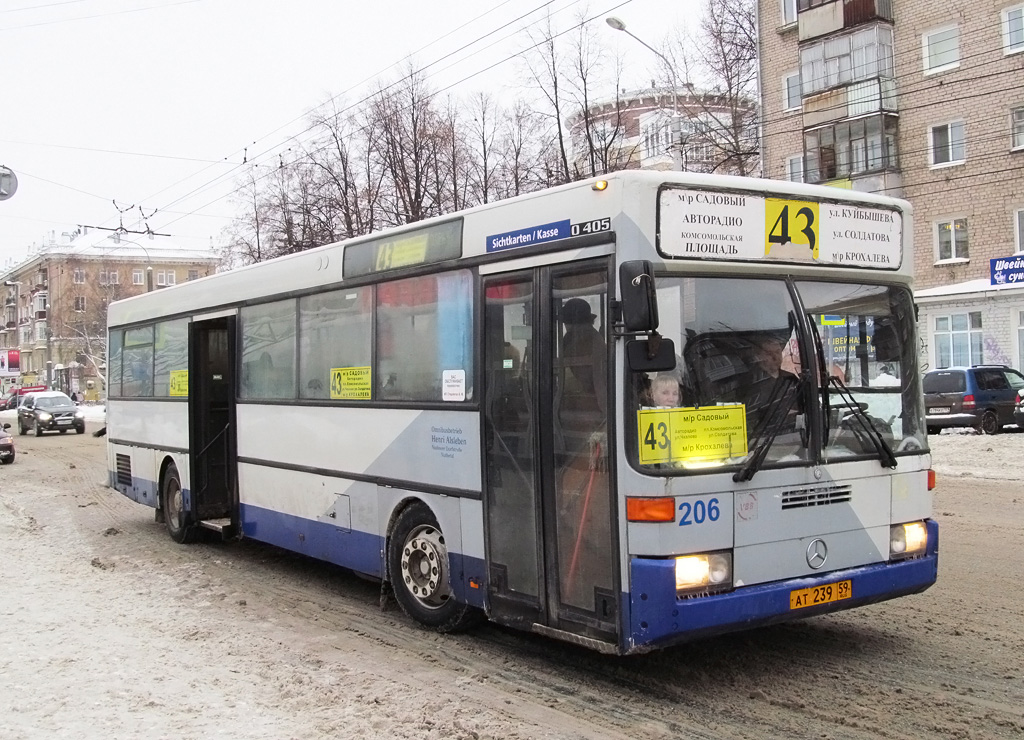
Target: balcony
x=817 y=18
x=856 y=99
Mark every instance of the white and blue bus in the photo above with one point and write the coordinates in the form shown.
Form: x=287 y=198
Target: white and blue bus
x=625 y=412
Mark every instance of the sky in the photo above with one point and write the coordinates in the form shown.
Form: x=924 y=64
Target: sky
x=147 y=113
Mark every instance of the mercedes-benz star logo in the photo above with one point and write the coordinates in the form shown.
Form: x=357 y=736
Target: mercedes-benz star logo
x=817 y=553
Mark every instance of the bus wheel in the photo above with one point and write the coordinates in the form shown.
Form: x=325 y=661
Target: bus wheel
x=420 y=572
x=172 y=501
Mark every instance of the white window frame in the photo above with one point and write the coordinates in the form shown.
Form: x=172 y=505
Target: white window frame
x=954 y=257
x=1017 y=129
x=137 y=278
x=113 y=277
x=1018 y=231
x=925 y=44
x=795 y=166
x=171 y=277
x=161 y=278
x=974 y=336
x=952 y=162
x=40 y=331
x=79 y=304
x=788 y=12
x=787 y=90
x=78 y=276
x=1011 y=45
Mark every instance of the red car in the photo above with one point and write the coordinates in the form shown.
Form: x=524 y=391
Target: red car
x=6 y=446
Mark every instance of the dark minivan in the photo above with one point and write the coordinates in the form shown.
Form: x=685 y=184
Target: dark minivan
x=981 y=396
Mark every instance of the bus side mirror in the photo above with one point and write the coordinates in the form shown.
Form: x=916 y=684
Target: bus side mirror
x=639 y=297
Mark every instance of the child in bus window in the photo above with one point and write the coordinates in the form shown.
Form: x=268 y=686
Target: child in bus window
x=665 y=392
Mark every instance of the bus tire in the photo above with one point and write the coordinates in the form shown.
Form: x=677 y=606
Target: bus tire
x=421 y=572
x=172 y=501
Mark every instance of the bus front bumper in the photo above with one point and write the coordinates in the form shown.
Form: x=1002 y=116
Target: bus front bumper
x=659 y=619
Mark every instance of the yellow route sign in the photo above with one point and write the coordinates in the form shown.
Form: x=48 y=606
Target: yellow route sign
x=350 y=383
x=790 y=222
x=179 y=382
x=692 y=434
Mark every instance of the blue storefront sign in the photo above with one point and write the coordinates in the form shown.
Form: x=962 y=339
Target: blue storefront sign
x=1007 y=270
x=529 y=236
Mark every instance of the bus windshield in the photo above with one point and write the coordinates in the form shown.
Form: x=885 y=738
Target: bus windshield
x=752 y=386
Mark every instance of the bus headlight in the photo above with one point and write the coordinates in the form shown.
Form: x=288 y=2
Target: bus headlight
x=705 y=572
x=907 y=540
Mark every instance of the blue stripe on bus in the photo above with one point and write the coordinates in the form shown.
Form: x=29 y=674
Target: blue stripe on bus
x=658 y=618
x=349 y=548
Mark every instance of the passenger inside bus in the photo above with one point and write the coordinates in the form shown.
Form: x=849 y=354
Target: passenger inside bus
x=665 y=392
x=768 y=380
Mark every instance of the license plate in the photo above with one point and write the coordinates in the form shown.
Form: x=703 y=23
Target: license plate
x=63 y=421
x=943 y=410
x=820 y=594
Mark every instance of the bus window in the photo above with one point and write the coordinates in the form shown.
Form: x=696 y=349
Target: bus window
x=335 y=333
x=114 y=355
x=137 y=362
x=171 y=354
x=268 y=350
x=425 y=338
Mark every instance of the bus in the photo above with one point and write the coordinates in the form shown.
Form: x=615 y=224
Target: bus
x=624 y=412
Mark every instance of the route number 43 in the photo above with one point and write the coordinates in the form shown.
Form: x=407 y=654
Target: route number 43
x=791 y=222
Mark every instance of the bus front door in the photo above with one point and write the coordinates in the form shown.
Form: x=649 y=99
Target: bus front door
x=214 y=471
x=548 y=504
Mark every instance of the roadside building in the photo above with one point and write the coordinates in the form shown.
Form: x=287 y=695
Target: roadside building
x=665 y=129
x=55 y=302
x=923 y=101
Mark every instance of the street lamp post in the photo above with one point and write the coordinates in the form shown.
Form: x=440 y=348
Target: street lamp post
x=677 y=154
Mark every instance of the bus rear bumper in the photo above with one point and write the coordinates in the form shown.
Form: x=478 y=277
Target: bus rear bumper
x=659 y=619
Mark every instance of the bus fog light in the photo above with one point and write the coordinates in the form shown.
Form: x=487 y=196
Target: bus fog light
x=703 y=572
x=907 y=540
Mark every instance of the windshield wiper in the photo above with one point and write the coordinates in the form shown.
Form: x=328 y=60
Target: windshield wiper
x=780 y=403
x=864 y=430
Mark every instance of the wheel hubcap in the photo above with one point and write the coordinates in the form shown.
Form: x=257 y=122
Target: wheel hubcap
x=424 y=566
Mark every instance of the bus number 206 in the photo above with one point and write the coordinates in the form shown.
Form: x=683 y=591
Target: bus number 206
x=698 y=512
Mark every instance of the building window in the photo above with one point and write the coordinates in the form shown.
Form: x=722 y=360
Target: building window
x=137 y=277
x=791 y=91
x=946 y=144
x=194 y=274
x=1017 y=128
x=941 y=49
x=863 y=55
x=958 y=340
x=40 y=331
x=80 y=303
x=40 y=301
x=165 y=278
x=170 y=277
x=1013 y=29
x=79 y=276
x=1018 y=234
x=788 y=12
x=850 y=148
x=113 y=278
x=795 y=168
x=951 y=239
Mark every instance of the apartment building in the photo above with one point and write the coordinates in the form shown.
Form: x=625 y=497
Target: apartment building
x=55 y=302
x=924 y=101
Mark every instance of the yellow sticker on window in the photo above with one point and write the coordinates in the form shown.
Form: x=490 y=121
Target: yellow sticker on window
x=350 y=383
x=791 y=228
x=692 y=434
x=179 y=382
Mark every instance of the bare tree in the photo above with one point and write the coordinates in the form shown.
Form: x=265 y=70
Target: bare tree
x=726 y=55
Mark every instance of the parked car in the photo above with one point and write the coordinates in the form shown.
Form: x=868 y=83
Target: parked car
x=6 y=446
x=12 y=399
x=49 y=411
x=981 y=396
x=1018 y=411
